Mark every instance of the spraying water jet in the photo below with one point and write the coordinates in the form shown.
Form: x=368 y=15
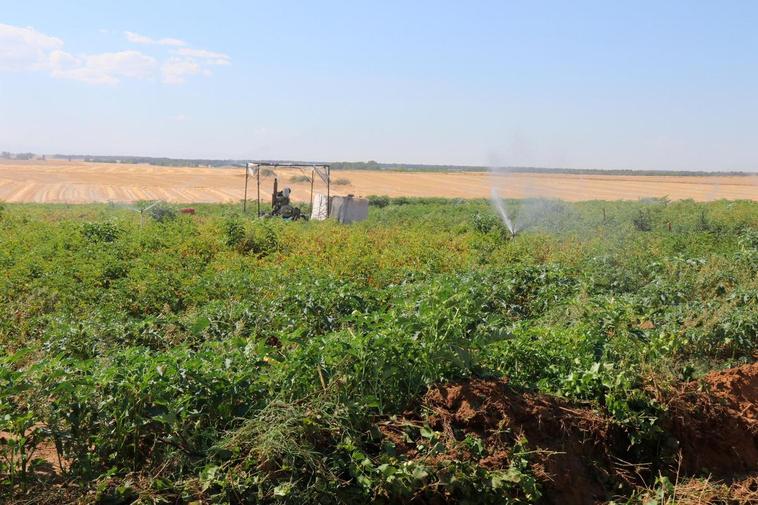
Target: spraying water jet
x=503 y=212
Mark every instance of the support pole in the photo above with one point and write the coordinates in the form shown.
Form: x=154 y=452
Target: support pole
x=244 y=202
x=328 y=191
x=258 y=172
x=313 y=174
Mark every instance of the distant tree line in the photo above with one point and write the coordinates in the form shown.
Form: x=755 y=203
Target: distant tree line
x=149 y=160
x=374 y=165
x=5 y=155
x=403 y=167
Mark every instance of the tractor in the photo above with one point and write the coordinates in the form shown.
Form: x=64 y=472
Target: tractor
x=281 y=206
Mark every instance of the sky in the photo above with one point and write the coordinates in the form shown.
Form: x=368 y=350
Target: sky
x=609 y=85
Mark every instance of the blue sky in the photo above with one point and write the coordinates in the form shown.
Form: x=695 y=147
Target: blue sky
x=640 y=85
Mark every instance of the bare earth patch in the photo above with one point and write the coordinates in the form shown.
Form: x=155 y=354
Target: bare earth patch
x=579 y=456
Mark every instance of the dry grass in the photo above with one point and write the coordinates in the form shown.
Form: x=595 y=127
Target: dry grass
x=79 y=182
x=703 y=491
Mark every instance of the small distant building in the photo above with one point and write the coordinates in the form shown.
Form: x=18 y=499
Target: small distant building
x=345 y=209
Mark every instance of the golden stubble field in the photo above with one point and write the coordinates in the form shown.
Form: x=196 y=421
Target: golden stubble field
x=59 y=181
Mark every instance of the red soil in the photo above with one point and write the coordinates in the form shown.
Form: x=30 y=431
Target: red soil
x=716 y=423
x=580 y=456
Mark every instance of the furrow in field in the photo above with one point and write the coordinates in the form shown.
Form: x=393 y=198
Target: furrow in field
x=79 y=182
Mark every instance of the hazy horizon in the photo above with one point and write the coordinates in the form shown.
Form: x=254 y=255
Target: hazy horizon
x=398 y=164
x=589 y=85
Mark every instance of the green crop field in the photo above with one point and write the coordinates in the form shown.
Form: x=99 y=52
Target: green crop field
x=421 y=356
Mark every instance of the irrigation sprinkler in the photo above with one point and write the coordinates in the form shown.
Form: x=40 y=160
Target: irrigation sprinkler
x=142 y=213
x=503 y=213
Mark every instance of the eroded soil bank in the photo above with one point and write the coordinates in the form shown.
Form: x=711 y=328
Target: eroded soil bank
x=578 y=455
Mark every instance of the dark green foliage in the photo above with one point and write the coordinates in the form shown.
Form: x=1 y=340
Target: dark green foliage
x=162 y=213
x=643 y=221
x=229 y=359
x=101 y=232
x=260 y=239
x=235 y=230
x=379 y=201
x=486 y=222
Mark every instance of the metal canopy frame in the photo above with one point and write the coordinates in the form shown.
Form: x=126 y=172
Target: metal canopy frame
x=324 y=171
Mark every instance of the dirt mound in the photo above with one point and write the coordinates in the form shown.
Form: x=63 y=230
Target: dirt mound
x=715 y=421
x=738 y=387
x=570 y=443
x=576 y=452
x=564 y=436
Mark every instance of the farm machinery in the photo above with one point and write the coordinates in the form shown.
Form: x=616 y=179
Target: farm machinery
x=345 y=209
x=281 y=205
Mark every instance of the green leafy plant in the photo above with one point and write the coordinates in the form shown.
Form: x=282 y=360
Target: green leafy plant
x=101 y=232
x=162 y=213
x=226 y=359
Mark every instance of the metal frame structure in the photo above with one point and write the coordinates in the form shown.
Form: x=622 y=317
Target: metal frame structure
x=324 y=172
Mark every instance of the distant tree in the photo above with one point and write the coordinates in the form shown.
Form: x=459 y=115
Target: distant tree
x=5 y=155
x=380 y=201
x=300 y=178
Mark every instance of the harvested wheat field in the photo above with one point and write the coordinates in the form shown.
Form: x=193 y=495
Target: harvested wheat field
x=79 y=182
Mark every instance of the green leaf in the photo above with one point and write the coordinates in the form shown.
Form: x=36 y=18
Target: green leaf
x=427 y=432
x=201 y=324
x=419 y=473
x=283 y=489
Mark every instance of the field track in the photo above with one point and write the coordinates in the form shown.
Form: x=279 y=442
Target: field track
x=78 y=182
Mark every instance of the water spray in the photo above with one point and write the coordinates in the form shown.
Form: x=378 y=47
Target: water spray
x=503 y=212
x=140 y=210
